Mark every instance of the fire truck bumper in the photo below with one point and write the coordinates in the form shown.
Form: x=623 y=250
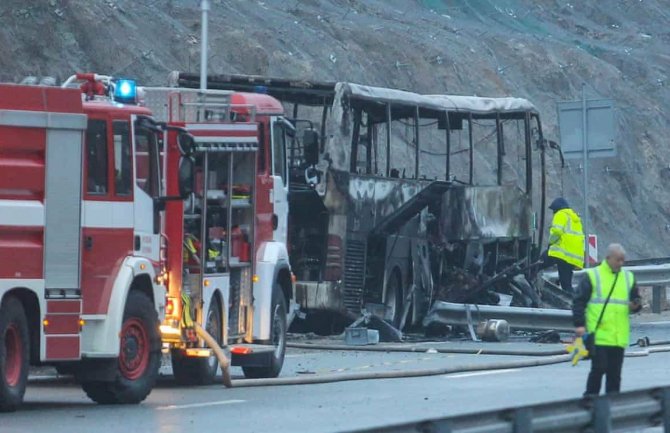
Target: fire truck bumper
x=320 y=296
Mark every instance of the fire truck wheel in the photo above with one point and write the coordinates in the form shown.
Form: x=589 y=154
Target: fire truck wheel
x=14 y=354
x=278 y=335
x=200 y=371
x=139 y=357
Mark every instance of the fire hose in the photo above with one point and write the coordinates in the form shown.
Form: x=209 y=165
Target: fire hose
x=188 y=322
x=224 y=362
x=546 y=358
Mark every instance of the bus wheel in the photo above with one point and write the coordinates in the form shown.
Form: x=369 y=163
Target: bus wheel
x=393 y=301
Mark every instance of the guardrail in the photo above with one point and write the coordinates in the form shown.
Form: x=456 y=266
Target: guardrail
x=645 y=275
x=518 y=317
x=628 y=411
x=652 y=261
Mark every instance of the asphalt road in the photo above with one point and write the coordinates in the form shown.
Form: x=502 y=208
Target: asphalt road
x=62 y=407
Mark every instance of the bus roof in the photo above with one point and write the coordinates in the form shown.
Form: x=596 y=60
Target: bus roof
x=320 y=93
x=451 y=103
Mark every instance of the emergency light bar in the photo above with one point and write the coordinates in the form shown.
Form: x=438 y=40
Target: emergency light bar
x=125 y=91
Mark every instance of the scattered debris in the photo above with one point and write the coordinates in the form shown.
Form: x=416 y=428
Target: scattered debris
x=356 y=336
x=546 y=337
x=493 y=330
x=385 y=331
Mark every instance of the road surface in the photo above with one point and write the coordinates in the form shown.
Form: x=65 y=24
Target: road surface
x=63 y=407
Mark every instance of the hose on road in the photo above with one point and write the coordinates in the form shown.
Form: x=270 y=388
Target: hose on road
x=415 y=349
x=224 y=362
x=243 y=383
x=343 y=377
x=542 y=358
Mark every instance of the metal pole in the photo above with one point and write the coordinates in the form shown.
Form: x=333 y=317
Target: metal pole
x=585 y=157
x=448 y=162
x=388 y=140
x=203 y=50
x=416 y=139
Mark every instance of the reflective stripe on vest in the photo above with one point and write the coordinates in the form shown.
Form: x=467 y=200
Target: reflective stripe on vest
x=560 y=250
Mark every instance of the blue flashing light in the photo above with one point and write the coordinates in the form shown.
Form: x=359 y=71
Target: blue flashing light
x=261 y=89
x=125 y=91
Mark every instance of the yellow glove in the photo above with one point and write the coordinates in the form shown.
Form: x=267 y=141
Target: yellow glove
x=577 y=350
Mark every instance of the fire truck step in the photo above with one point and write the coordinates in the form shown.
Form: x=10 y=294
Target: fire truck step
x=251 y=355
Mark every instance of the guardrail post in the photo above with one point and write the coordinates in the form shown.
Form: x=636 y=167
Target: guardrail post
x=665 y=409
x=657 y=299
x=602 y=419
x=523 y=420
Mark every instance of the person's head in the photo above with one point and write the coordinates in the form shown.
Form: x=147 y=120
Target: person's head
x=559 y=204
x=616 y=256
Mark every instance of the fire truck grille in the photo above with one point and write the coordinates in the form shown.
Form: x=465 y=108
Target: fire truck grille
x=354 y=275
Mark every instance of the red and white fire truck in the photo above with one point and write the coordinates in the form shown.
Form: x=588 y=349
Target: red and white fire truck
x=112 y=223
x=79 y=239
x=232 y=275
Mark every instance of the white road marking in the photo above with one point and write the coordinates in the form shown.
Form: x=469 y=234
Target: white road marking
x=479 y=373
x=195 y=405
x=296 y=355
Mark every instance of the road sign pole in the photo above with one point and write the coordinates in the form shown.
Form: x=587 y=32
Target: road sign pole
x=585 y=156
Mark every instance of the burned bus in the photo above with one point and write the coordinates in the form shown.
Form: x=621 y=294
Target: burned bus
x=399 y=199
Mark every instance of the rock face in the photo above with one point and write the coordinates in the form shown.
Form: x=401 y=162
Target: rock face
x=542 y=50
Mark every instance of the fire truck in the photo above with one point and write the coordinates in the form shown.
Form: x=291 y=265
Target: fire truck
x=80 y=238
x=118 y=231
x=227 y=261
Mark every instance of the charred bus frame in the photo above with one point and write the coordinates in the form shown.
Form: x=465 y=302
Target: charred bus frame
x=363 y=233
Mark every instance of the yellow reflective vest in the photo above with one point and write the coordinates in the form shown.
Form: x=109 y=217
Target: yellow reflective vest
x=566 y=238
x=614 y=328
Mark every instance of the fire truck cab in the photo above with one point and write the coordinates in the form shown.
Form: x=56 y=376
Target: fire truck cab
x=80 y=238
x=227 y=262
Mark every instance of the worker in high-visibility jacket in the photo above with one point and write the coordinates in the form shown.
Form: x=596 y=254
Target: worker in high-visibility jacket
x=566 y=243
x=605 y=320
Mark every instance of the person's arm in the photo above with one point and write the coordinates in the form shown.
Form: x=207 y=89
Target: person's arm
x=635 y=303
x=579 y=303
x=557 y=227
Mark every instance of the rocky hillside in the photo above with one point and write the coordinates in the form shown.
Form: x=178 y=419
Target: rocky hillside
x=542 y=50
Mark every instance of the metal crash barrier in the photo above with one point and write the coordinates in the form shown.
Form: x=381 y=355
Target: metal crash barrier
x=645 y=275
x=628 y=411
x=448 y=313
x=648 y=272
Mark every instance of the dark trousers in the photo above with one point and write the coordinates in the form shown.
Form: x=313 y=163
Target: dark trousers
x=565 y=271
x=606 y=360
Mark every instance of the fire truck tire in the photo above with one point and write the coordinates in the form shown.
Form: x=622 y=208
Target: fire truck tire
x=278 y=335
x=199 y=371
x=14 y=354
x=139 y=359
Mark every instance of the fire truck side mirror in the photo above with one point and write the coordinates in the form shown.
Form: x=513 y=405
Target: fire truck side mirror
x=186 y=176
x=310 y=142
x=186 y=143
